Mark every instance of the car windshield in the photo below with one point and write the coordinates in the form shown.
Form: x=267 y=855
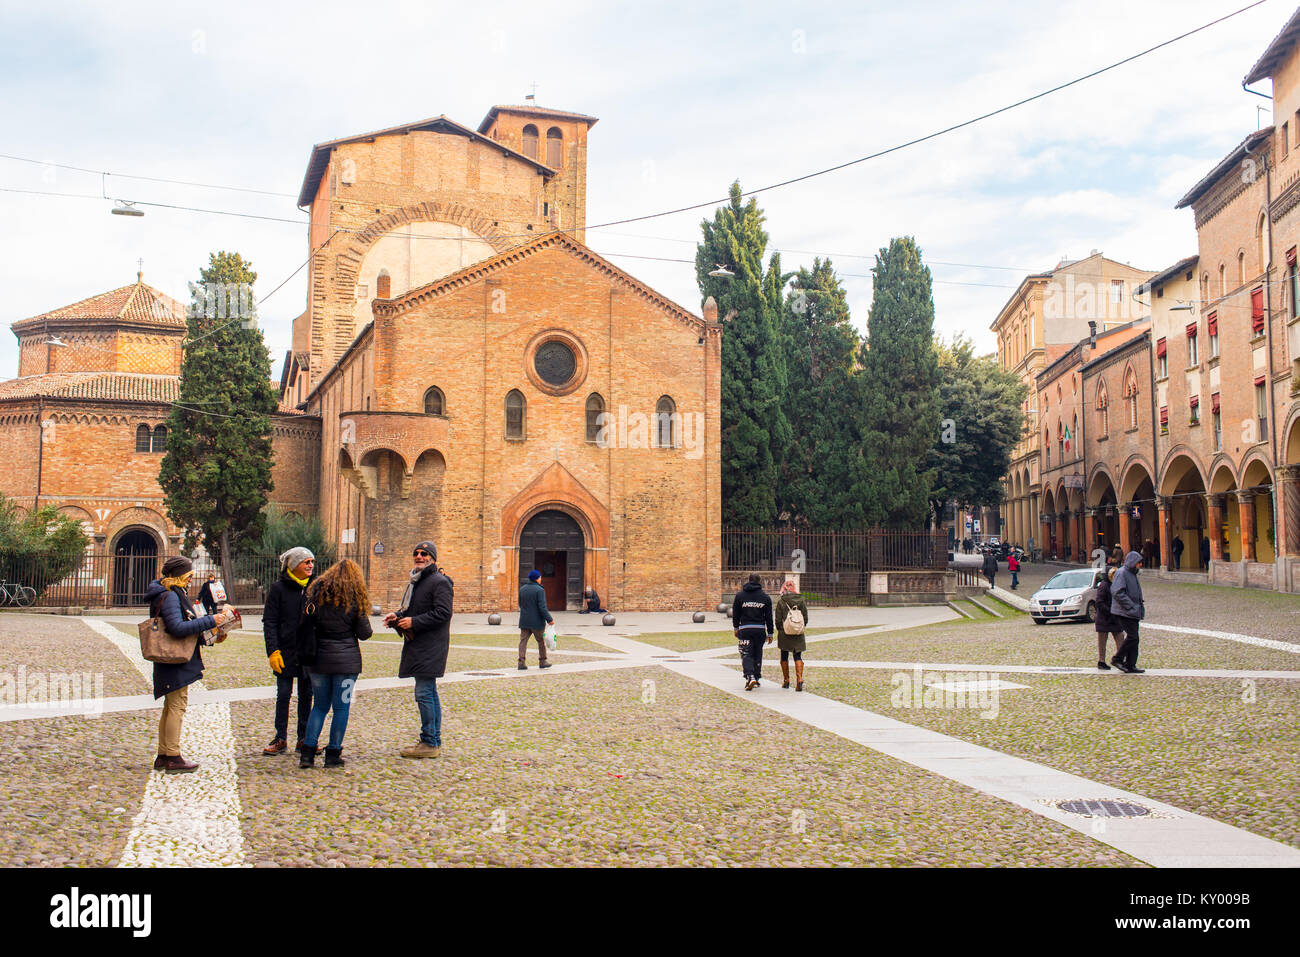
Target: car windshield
x=1070 y=580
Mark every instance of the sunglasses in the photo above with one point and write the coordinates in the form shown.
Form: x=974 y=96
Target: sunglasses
x=425 y=554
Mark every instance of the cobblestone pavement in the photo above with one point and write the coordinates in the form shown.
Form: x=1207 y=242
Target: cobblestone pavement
x=47 y=644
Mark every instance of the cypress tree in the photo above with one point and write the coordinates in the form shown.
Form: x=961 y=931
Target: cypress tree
x=754 y=429
x=900 y=390
x=216 y=474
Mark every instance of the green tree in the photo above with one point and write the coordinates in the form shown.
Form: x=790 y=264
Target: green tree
x=754 y=428
x=819 y=349
x=39 y=548
x=900 y=390
x=282 y=531
x=983 y=419
x=216 y=474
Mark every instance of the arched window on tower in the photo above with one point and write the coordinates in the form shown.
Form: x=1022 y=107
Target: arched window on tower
x=516 y=409
x=595 y=409
x=434 y=403
x=159 y=439
x=1103 y=401
x=1131 y=396
x=554 y=148
x=530 y=141
x=383 y=285
x=667 y=432
x=142 y=439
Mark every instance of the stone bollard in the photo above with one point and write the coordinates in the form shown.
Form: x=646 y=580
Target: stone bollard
x=724 y=609
x=494 y=619
x=607 y=620
x=698 y=617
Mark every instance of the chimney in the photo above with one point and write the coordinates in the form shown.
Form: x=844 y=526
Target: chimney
x=710 y=311
x=1092 y=334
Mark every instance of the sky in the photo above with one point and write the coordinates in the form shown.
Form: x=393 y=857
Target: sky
x=690 y=96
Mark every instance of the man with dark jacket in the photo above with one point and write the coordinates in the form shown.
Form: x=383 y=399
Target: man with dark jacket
x=533 y=619
x=1127 y=608
x=1176 y=548
x=280 y=620
x=206 y=598
x=424 y=622
x=751 y=622
x=1205 y=552
x=990 y=567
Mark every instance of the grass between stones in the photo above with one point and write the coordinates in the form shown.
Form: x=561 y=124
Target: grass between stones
x=1216 y=747
x=605 y=769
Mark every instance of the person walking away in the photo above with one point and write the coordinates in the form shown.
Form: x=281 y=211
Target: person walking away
x=751 y=623
x=168 y=599
x=280 y=621
x=206 y=598
x=1105 y=623
x=1013 y=566
x=791 y=614
x=1205 y=553
x=1116 y=557
x=533 y=619
x=990 y=568
x=1176 y=549
x=337 y=610
x=424 y=622
x=1128 y=610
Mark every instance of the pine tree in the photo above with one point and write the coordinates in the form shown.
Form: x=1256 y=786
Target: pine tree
x=820 y=345
x=900 y=390
x=216 y=474
x=754 y=428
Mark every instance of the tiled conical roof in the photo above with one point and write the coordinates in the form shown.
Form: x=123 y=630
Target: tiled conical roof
x=136 y=304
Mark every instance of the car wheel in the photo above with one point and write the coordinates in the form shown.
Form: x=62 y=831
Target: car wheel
x=1090 y=614
x=1040 y=621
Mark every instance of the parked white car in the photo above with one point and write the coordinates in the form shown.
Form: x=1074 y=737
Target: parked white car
x=1068 y=595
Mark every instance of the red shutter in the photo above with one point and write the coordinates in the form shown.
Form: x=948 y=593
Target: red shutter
x=1257 y=310
x=1259 y=380
x=1291 y=256
x=1195 y=401
x=1214 y=403
x=1164 y=415
x=1191 y=330
x=1212 y=324
x=1162 y=347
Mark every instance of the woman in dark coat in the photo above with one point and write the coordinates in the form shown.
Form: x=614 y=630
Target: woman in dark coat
x=424 y=622
x=336 y=616
x=280 y=620
x=168 y=599
x=1106 y=623
x=790 y=644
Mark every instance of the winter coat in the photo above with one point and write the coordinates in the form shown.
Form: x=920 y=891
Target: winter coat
x=179 y=621
x=533 y=615
x=1177 y=547
x=337 y=632
x=1125 y=592
x=1013 y=563
x=783 y=605
x=424 y=652
x=206 y=600
x=1105 y=621
x=280 y=620
x=593 y=601
x=990 y=565
x=752 y=610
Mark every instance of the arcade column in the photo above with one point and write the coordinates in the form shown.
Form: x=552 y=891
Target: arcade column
x=1289 y=508
x=1246 y=522
x=1216 y=503
x=1163 y=504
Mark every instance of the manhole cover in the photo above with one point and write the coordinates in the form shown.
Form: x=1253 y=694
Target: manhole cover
x=1104 y=808
x=484 y=674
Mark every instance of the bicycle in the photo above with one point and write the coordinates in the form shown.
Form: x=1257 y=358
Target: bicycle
x=20 y=595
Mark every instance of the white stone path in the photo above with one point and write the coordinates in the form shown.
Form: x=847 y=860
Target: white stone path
x=189 y=819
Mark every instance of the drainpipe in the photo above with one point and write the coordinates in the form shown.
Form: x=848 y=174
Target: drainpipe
x=40 y=448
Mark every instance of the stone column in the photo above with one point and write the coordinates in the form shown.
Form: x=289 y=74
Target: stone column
x=1045 y=533
x=1082 y=547
x=1090 y=528
x=1163 y=504
x=1216 y=503
x=1063 y=533
x=1288 y=503
x=1126 y=528
x=1246 y=520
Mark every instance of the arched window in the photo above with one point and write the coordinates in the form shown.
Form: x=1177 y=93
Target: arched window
x=530 y=141
x=142 y=439
x=1103 y=401
x=1205 y=287
x=1241 y=267
x=667 y=433
x=1131 y=396
x=595 y=409
x=434 y=403
x=159 y=443
x=1260 y=237
x=516 y=408
x=383 y=285
x=554 y=148
x=1223 y=279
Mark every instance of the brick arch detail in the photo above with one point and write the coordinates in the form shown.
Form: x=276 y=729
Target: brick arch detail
x=1181 y=451
x=348 y=262
x=1135 y=461
x=137 y=517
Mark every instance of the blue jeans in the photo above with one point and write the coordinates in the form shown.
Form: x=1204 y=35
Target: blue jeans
x=1015 y=579
x=329 y=691
x=426 y=699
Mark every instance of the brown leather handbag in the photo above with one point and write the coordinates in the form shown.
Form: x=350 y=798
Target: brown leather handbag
x=158 y=646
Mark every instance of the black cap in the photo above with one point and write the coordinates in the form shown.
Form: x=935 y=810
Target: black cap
x=176 y=566
x=429 y=547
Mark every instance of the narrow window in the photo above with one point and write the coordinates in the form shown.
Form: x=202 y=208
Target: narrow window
x=1217 y=419
x=1162 y=358
x=1131 y=396
x=1241 y=268
x=1117 y=291
x=1212 y=329
x=530 y=141
x=1193 y=354
x=554 y=148
x=1103 y=401
x=1286 y=139
x=1261 y=407
x=142 y=439
x=666 y=430
x=159 y=439
x=1257 y=311
x=434 y=403
x=1293 y=286
x=595 y=409
x=515 y=409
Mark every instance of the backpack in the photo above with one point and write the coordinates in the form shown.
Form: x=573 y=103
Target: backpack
x=793 y=624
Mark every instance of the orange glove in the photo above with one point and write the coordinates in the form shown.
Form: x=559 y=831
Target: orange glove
x=276 y=661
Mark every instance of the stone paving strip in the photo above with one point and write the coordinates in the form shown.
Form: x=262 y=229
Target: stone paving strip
x=1043 y=670
x=1168 y=837
x=1224 y=748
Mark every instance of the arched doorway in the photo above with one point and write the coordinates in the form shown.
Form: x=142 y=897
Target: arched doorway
x=135 y=565
x=552 y=543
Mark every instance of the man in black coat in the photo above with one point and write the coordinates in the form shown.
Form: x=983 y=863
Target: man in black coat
x=1177 y=549
x=990 y=568
x=751 y=623
x=424 y=622
x=280 y=620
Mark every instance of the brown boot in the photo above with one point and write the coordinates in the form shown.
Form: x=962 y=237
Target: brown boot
x=160 y=762
x=175 y=764
x=277 y=746
x=798 y=675
x=785 y=674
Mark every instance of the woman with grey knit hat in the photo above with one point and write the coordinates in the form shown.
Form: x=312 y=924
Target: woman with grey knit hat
x=280 y=621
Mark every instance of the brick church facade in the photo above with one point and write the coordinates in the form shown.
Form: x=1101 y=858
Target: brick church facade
x=466 y=370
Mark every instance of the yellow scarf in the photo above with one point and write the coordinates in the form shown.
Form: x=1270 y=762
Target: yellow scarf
x=300 y=581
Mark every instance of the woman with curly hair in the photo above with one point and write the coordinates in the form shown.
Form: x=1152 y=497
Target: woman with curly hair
x=337 y=613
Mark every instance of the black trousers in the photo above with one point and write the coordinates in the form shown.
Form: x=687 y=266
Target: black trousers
x=1128 y=652
x=751 y=651
x=283 y=691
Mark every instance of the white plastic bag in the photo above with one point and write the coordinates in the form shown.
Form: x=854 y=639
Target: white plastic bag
x=548 y=635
